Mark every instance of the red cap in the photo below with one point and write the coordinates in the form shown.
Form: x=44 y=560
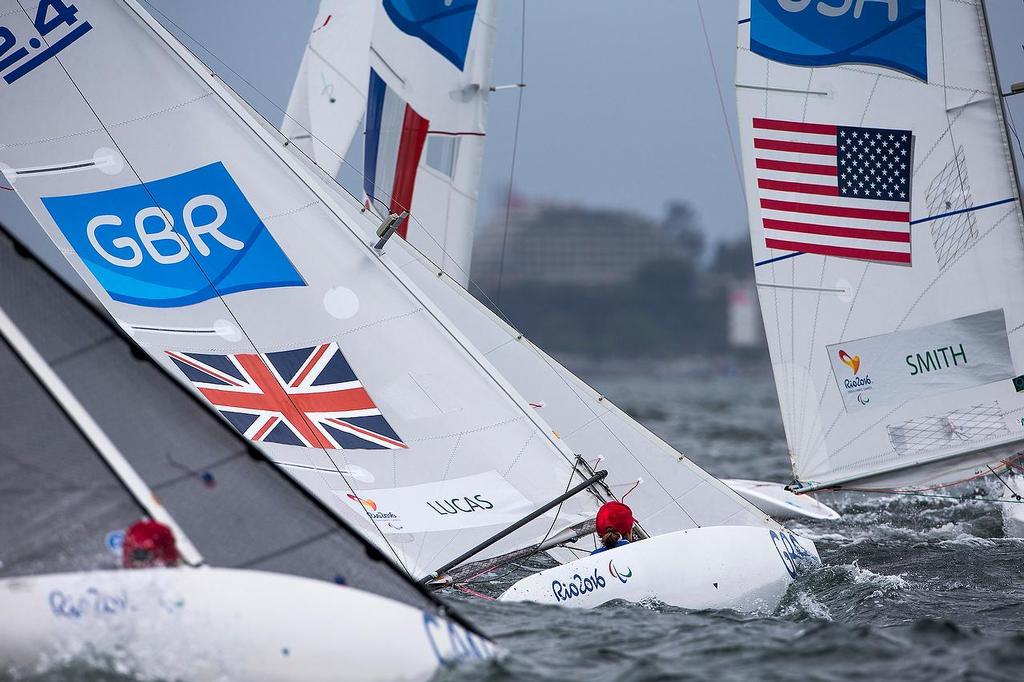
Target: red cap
x=149 y=543
x=615 y=516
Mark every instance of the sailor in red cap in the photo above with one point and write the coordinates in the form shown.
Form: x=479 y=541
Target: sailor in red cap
x=148 y=544
x=614 y=525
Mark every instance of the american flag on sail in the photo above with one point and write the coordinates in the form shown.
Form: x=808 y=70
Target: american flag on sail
x=834 y=190
x=308 y=397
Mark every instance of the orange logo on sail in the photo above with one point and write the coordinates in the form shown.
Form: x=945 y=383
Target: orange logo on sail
x=852 y=362
x=368 y=505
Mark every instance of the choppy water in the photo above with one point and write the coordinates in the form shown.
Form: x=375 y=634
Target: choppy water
x=910 y=589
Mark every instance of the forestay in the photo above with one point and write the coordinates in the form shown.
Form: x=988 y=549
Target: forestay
x=220 y=259
x=64 y=509
x=403 y=88
x=887 y=237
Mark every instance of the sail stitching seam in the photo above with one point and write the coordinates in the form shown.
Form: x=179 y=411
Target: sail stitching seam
x=154 y=114
x=293 y=211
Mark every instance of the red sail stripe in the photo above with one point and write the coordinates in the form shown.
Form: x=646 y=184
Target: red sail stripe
x=800 y=187
x=833 y=231
x=410 y=148
x=841 y=251
x=794 y=167
x=795 y=126
x=838 y=211
x=798 y=147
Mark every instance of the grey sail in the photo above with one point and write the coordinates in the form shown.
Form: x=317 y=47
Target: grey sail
x=59 y=500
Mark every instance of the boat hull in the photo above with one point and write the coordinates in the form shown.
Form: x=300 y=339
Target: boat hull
x=744 y=568
x=207 y=624
x=780 y=504
x=1012 y=508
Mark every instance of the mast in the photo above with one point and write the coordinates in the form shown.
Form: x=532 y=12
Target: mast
x=1002 y=109
x=116 y=461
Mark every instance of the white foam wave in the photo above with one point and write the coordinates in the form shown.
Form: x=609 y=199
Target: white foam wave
x=806 y=604
x=889 y=584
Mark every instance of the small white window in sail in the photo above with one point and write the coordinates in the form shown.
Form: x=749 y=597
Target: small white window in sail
x=953 y=429
x=949 y=194
x=441 y=153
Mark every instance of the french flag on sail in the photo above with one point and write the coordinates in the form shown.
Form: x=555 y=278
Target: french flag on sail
x=395 y=135
x=832 y=190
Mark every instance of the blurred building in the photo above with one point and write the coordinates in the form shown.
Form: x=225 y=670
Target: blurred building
x=745 y=329
x=560 y=244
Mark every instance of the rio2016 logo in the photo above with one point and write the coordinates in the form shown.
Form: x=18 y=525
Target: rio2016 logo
x=858 y=384
x=368 y=504
x=173 y=242
x=853 y=362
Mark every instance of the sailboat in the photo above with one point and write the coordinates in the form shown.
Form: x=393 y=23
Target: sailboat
x=391 y=99
x=886 y=226
x=97 y=437
x=684 y=510
x=275 y=585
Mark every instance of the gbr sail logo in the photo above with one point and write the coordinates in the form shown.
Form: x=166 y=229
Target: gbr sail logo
x=887 y=33
x=173 y=242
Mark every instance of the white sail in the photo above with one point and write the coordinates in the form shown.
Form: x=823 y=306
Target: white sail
x=391 y=98
x=666 y=490
x=887 y=237
x=218 y=252
x=671 y=493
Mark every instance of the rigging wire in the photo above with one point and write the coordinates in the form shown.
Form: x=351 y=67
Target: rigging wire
x=491 y=303
x=958 y=498
x=313 y=162
x=721 y=97
x=519 y=557
x=515 y=153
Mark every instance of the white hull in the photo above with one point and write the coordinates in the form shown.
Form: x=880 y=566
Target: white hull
x=1013 y=511
x=744 y=568
x=214 y=624
x=780 y=504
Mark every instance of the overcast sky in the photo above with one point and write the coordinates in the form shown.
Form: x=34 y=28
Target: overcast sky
x=621 y=108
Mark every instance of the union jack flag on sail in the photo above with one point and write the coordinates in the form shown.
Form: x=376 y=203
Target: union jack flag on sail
x=835 y=190
x=308 y=397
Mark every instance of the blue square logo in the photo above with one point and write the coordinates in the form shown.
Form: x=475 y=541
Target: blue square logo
x=888 y=33
x=173 y=242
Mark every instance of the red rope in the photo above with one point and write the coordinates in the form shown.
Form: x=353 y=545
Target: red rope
x=470 y=591
x=623 y=498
